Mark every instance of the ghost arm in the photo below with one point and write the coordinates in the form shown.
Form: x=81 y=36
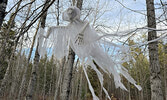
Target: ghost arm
x=56 y=38
x=55 y=28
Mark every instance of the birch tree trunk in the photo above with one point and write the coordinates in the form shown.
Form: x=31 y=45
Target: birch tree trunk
x=33 y=79
x=60 y=74
x=155 y=77
x=23 y=79
x=3 y=54
x=51 y=85
x=25 y=70
x=5 y=79
x=44 y=85
x=165 y=71
x=32 y=82
x=10 y=24
x=68 y=73
x=15 y=74
x=80 y=86
x=60 y=68
x=68 y=76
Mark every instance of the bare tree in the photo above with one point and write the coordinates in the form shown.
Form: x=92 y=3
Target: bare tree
x=69 y=68
x=155 y=77
x=2 y=52
x=68 y=76
x=23 y=78
x=32 y=82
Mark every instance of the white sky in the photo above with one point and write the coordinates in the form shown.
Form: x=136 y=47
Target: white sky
x=115 y=16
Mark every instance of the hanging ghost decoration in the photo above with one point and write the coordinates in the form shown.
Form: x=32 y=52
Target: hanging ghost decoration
x=85 y=42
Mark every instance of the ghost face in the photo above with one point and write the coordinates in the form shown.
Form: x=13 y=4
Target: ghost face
x=71 y=14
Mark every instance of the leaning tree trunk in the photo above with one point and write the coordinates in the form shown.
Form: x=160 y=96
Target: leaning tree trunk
x=33 y=79
x=3 y=54
x=23 y=78
x=69 y=68
x=155 y=77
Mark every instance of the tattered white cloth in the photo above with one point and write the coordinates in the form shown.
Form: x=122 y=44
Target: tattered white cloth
x=86 y=43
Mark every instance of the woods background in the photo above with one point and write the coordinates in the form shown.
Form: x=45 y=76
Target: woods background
x=24 y=74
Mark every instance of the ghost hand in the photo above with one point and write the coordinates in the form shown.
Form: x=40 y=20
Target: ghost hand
x=79 y=39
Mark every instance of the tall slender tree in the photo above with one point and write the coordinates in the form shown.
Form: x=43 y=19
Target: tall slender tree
x=32 y=82
x=3 y=50
x=69 y=68
x=155 y=77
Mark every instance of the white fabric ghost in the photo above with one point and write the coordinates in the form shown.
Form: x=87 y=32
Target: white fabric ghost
x=85 y=43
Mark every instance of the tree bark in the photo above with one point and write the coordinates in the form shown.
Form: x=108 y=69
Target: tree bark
x=60 y=76
x=23 y=81
x=3 y=4
x=51 y=85
x=165 y=79
x=2 y=50
x=80 y=86
x=10 y=23
x=68 y=74
x=44 y=85
x=155 y=77
x=32 y=82
x=165 y=71
x=15 y=74
x=6 y=33
x=33 y=79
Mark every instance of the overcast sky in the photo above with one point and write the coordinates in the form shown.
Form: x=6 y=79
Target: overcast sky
x=128 y=15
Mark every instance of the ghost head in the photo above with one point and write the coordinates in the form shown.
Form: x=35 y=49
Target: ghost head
x=71 y=14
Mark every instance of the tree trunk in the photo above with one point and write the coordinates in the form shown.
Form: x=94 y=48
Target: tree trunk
x=5 y=79
x=165 y=71
x=32 y=82
x=6 y=37
x=15 y=75
x=33 y=79
x=68 y=74
x=165 y=79
x=129 y=96
x=23 y=81
x=3 y=4
x=51 y=85
x=44 y=85
x=60 y=74
x=2 y=52
x=25 y=70
x=80 y=86
x=155 y=78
